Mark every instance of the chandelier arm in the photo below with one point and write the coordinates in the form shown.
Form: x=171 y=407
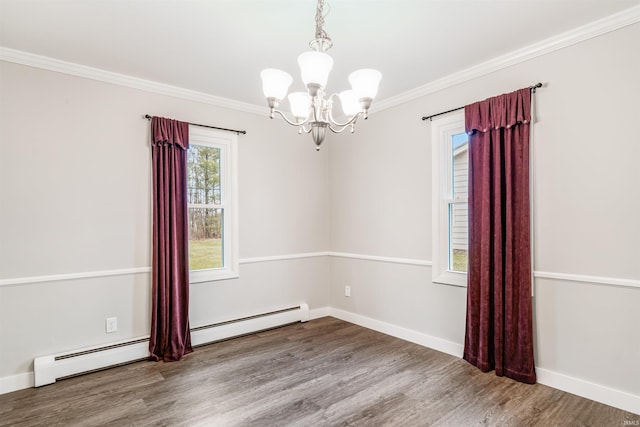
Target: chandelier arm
x=351 y=121
x=334 y=122
x=342 y=128
x=289 y=121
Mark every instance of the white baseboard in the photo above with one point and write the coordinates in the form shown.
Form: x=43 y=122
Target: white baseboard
x=16 y=382
x=603 y=394
x=599 y=393
x=316 y=313
x=406 y=334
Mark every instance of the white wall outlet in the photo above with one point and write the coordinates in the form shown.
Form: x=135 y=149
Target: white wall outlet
x=111 y=324
x=347 y=291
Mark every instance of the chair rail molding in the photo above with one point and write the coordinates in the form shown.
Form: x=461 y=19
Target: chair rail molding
x=565 y=277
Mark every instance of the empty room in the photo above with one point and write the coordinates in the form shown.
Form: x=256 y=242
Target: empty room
x=319 y=212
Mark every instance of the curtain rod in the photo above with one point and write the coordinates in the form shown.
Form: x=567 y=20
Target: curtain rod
x=532 y=88
x=244 y=132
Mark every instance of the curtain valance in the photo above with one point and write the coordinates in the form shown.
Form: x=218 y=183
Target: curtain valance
x=502 y=111
x=169 y=132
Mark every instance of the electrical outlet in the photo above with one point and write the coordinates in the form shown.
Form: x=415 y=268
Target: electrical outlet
x=347 y=291
x=111 y=324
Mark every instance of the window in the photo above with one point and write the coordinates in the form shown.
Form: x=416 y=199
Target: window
x=450 y=181
x=211 y=205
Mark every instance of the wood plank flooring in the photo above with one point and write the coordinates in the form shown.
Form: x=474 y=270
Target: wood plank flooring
x=325 y=372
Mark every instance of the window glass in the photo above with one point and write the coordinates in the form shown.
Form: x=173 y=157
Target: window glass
x=458 y=208
x=205 y=238
x=205 y=220
x=204 y=174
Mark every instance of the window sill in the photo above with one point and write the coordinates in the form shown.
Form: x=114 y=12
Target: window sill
x=451 y=278
x=212 y=275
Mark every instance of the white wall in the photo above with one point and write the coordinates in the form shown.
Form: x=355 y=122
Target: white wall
x=75 y=198
x=74 y=194
x=586 y=149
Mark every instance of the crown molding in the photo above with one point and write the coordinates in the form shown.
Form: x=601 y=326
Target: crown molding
x=52 y=64
x=602 y=26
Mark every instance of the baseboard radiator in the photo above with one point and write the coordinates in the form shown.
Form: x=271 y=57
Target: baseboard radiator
x=48 y=369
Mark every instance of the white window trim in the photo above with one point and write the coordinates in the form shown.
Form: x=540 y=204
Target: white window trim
x=228 y=144
x=442 y=129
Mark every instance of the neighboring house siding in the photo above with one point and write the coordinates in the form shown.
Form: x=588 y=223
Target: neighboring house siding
x=459 y=230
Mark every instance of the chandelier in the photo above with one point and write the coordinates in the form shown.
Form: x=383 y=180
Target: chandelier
x=311 y=111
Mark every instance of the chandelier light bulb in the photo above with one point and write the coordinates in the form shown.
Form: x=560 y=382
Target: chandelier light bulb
x=315 y=68
x=350 y=104
x=365 y=82
x=275 y=83
x=300 y=103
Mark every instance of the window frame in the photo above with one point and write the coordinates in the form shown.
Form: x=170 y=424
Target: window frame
x=442 y=130
x=226 y=142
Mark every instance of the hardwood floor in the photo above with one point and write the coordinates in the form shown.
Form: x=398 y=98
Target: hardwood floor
x=322 y=373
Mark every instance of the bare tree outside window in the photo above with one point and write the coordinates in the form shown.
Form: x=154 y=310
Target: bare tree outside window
x=205 y=216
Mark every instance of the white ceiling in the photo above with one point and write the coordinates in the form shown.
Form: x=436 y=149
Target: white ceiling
x=218 y=47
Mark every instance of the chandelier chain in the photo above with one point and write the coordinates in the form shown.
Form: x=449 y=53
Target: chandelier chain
x=320 y=32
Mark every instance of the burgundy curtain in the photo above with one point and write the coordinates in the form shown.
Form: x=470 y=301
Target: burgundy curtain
x=499 y=331
x=170 y=336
